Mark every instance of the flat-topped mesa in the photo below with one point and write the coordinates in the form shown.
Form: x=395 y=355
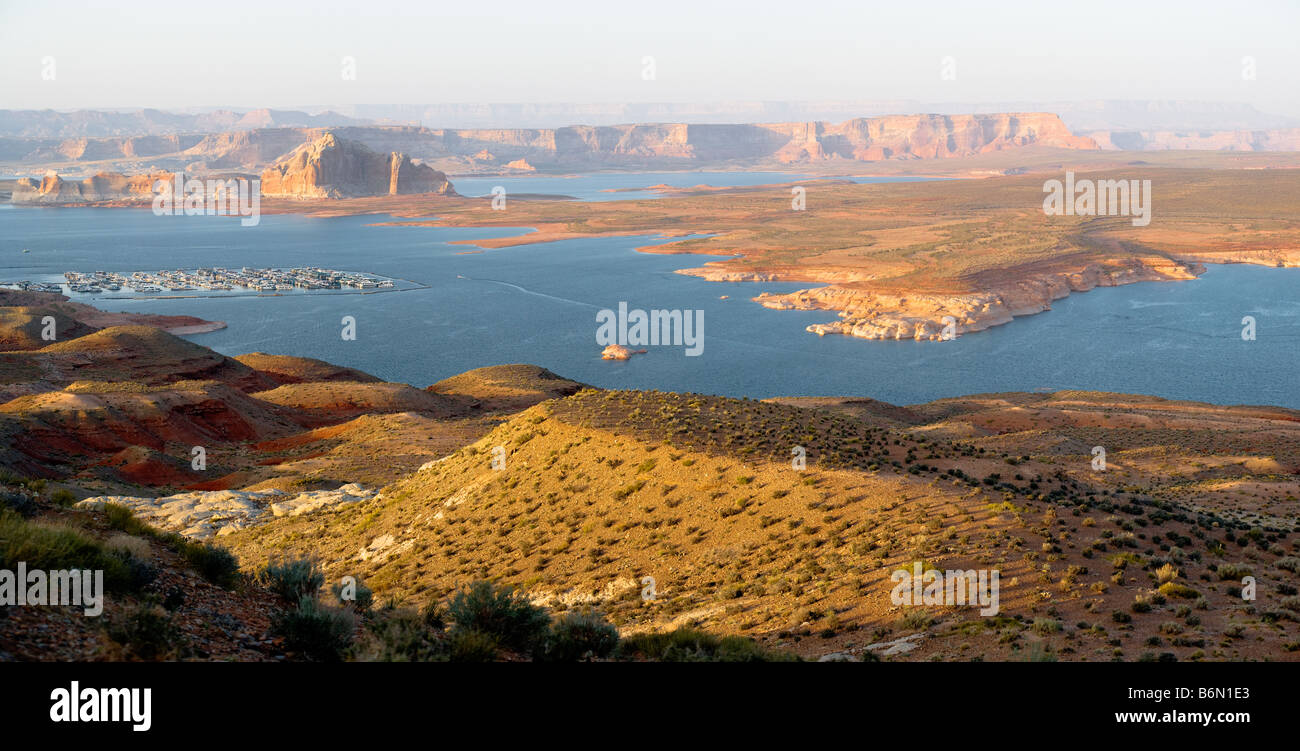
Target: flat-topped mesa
x=331 y=167
x=924 y=136
x=861 y=139
x=105 y=186
x=647 y=145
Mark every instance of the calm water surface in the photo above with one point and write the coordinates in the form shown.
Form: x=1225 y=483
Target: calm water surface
x=537 y=304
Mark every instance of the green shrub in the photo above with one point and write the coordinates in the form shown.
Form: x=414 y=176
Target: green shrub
x=1236 y=571
x=18 y=502
x=292 y=579
x=434 y=616
x=146 y=632
x=470 y=645
x=360 y=598
x=580 y=636
x=692 y=645
x=54 y=547
x=915 y=620
x=63 y=497
x=214 y=563
x=500 y=612
x=1180 y=591
x=401 y=636
x=321 y=633
x=1045 y=626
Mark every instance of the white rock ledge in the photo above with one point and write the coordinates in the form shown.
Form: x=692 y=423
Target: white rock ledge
x=205 y=514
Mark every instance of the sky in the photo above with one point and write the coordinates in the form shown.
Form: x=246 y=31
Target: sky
x=127 y=54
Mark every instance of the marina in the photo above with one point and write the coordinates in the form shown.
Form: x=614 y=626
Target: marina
x=218 y=280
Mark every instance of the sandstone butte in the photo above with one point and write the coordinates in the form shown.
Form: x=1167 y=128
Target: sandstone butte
x=331 y=167
x=105 y=186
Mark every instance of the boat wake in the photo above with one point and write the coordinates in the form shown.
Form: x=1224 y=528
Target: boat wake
x=527 y=291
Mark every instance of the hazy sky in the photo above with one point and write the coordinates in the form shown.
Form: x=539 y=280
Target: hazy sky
x=258 y=54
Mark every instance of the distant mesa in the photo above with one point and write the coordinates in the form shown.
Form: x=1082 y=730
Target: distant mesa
x=924 y=136
x=646 y=145
x=105 y=186
x=331 y=167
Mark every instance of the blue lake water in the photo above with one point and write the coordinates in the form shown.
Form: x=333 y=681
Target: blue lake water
x=537 y=304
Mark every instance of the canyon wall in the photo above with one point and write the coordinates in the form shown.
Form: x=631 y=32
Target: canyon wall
x=654 y=145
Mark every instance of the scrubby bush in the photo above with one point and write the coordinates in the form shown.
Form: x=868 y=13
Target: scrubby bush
x=579 y=636
x=63 y=497
x=1045 y=626
x=320 y=632
x=146 y=632
x=355 y=595
x=1237 y=571
x=18 y=502
x=1180 y=591
x=214 y=563
x=401 y=636
x=693 y=645
x=292 y=579
x=500 y=612
x=58 y=547
x=471 y=645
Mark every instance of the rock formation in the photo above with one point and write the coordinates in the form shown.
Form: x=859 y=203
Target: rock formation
x=619 y=352
x=634 y=146
x=869 y=314
x=105 y=186
x=1276 y=139
x=331 y=167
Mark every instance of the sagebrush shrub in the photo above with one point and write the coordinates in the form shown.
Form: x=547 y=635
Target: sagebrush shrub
x=580 y=636
x=501 y=613
x=292 y=579
x=320 y=632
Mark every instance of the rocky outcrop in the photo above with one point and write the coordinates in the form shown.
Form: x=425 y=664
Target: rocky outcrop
x=871 y=314
x=105 y=186
x=205 y=514
x=619 y=352
x=331 y=167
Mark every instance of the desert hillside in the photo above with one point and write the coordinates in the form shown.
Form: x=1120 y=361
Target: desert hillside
x=575 y=496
